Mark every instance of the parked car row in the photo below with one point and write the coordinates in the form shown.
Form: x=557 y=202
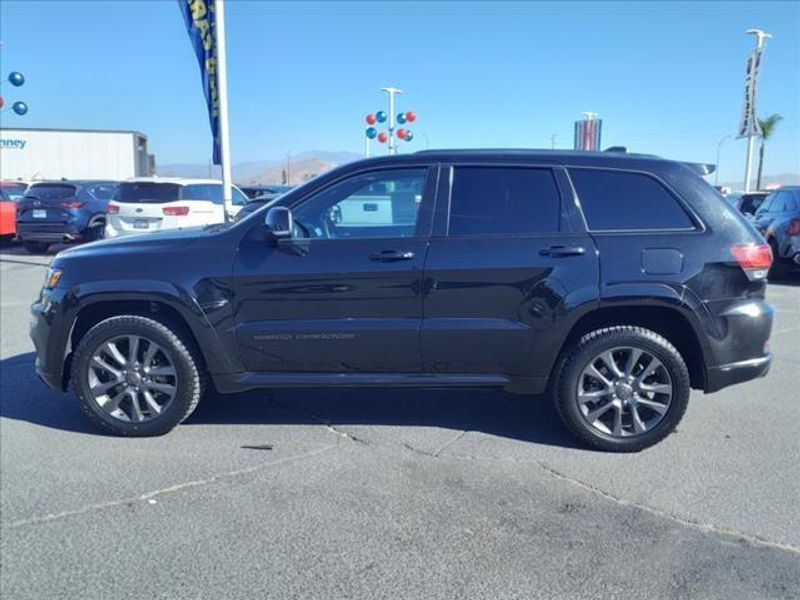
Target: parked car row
x=69 y=211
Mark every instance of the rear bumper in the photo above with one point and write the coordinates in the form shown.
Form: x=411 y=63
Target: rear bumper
x=723 y=376
x=738 y=341
x=49 y=232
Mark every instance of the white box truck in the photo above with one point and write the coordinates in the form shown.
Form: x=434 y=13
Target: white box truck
x=35 y=154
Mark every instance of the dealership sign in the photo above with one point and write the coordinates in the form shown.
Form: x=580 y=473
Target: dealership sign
x=13 y=144
x=749 y=125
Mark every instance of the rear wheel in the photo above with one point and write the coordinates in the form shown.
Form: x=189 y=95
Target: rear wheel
x=622 y=389
x=778 y=268
x=96 y=231
x=135 y=376
x=36 y=247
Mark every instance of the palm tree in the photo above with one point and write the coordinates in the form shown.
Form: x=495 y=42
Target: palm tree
x=768 y=126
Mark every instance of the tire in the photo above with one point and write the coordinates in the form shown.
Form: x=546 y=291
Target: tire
x=35 y=247
x=778 y=269
x=176 y=352
x=625 y=396
x=95 y=232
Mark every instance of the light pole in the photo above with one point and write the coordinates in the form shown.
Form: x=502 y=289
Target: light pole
x=392 y=92
x=760 y=37
x=719 y=147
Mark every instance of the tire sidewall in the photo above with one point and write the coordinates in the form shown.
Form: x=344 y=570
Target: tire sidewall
x=567 y=403
x=186 y=370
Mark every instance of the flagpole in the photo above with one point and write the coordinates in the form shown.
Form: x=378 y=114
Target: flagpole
x=222 y=89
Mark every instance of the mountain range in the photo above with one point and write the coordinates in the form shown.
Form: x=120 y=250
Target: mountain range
x=298 y=167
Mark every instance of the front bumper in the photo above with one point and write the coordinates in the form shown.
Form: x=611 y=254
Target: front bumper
x=49 y=342
x=723 y=376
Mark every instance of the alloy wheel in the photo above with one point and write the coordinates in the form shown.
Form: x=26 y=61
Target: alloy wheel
x=131 y=378
x=624 y=392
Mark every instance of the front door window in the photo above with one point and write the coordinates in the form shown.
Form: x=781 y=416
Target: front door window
x=378 y=204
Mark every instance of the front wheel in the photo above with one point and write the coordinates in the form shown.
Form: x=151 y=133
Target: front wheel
x=622 y=389
x=135 y=376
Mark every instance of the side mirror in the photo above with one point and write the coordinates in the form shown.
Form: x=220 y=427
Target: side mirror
x=279 y=223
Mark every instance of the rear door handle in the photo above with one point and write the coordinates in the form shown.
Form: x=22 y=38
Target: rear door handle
x=563 y=251
x=391 y=256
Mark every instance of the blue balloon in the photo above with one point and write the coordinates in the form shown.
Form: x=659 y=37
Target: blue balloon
x=20 y=108
x=409 y=136
x=16 y=79
x=401 y=118
x=381 y=116
x=371 y=132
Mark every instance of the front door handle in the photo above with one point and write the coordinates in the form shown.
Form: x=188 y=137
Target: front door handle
x=391 y=256
x=563 y=251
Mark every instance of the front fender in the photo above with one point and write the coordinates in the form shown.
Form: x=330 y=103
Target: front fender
x=120 y=291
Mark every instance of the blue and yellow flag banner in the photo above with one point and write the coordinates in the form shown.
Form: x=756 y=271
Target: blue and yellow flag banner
x=200 y=23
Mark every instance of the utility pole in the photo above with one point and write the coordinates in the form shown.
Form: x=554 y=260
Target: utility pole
x=288 y=168
x=392 y=92
x=553 y=142
x=752 y=133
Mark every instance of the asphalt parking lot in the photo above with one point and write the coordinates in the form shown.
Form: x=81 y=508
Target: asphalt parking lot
x=392 y=493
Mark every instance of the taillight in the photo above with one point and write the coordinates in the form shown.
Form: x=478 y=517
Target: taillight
x=755 y=259
x=176 y=211
x=113 y=209
x=794 y=227
x=72 y=204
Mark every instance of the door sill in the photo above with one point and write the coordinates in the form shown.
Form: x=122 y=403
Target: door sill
x=241 y=382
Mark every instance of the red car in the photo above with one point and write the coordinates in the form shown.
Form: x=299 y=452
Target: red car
x=10 y=192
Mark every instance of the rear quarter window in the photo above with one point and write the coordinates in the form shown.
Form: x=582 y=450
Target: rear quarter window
x=624 y=200
x=208 y=192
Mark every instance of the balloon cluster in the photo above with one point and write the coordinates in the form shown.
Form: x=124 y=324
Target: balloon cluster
x=16 y=79
x=380 y=117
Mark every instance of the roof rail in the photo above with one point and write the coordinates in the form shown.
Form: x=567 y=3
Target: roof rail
x=620 y=149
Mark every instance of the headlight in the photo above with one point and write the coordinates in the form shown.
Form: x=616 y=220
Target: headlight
x=53 y=276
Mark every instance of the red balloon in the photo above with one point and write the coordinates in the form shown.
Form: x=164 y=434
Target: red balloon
x=411 y=116
x=371 y=120
x=401 y=133
x=382 y=137
x=2 y=102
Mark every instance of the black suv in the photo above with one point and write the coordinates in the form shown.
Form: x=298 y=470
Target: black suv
x=615 y=281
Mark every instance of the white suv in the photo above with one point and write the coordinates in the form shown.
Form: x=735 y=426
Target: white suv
x=143 y=205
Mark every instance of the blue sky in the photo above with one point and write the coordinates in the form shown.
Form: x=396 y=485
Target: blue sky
x=666 y=78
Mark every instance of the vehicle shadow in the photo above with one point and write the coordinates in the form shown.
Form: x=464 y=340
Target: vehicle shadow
x=526 y=418
x=786 y=280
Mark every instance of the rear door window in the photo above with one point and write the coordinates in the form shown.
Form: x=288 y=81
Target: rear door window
x=624 y=200
x=147 y=192
x=503 y=201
